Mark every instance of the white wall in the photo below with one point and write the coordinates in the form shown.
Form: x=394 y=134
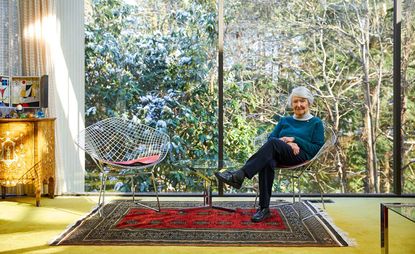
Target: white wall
x=66 y=68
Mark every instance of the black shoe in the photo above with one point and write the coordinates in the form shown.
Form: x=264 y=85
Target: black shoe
x=232 y=178
x=260 y=215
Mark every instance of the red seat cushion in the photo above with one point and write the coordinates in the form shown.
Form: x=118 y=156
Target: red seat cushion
x=141 y=160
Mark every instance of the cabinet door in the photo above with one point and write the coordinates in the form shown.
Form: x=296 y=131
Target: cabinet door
x=45 y=149
x=16 y=151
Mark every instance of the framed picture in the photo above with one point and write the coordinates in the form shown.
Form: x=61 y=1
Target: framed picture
x=28 y=91
x=25 y=91
x=4 y=91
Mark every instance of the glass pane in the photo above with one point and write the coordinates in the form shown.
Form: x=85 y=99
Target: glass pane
x=155 y=62
x=405 y=210
x=408 y=107
x=341 y=51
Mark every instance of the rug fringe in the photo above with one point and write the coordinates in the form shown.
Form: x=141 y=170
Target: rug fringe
x=58 y=238
x=350 y=241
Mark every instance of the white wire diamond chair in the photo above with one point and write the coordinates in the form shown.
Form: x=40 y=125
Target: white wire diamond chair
x=295 y=172
x=124 y=148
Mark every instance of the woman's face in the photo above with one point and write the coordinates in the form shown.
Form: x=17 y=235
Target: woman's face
x=300 y=106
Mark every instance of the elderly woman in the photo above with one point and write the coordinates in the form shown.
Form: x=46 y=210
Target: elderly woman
x=294 y=140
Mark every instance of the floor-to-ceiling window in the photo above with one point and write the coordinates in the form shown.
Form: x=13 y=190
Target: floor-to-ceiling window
x=408 y=107
x=155 y=61
x=343 y=52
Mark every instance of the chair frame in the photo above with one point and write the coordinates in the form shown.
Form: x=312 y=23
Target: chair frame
x=158 y=144
x=297 y=171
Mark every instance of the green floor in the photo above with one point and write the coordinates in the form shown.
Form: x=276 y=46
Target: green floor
x=25 y=228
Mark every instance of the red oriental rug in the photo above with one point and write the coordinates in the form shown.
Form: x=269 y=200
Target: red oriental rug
x=183 y=223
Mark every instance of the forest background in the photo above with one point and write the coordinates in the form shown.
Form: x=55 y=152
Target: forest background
x=155 y=61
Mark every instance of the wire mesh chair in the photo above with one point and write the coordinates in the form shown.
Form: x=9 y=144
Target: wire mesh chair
x=124 y=148
x=295 y=172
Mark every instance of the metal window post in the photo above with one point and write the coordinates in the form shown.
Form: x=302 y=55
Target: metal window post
x=220 y=92
x=397 y=100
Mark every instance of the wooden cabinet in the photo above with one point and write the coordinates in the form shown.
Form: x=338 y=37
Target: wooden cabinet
x=27 y=154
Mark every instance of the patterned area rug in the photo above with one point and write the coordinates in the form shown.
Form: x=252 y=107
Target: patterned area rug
x=182 y=223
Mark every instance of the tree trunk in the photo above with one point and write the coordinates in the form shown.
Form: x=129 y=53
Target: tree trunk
x=370 y=169
x=368 y=132
x=387 y=173
x=341 y=169
x=369 y=128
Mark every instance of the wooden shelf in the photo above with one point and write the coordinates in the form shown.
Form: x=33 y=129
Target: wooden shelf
x=8 y=120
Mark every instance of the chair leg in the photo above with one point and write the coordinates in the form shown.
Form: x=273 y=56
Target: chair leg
x=293 y=186
x=255 y=187
x=157 y=195
x=133 y=187
x=299 y=194
x=256 y=199
x=321 y=191
x=102 y=193
x=101 y=187
x=287 y=203
x=322 y=199
x=104 y=189
x=103 y=176
x=156 y=190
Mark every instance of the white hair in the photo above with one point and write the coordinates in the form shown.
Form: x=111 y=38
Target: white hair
x=302 y=92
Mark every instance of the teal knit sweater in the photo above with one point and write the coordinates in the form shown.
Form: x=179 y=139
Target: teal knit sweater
x=309 y=134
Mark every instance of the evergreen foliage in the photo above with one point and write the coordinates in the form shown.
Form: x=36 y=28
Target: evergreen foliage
x=155 y=62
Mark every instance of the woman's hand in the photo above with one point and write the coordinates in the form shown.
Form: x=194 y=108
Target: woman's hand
x=295 y=147
x=287 y=139
x=290 y=142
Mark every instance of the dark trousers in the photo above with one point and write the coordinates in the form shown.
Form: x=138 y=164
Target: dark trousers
x=273 y=153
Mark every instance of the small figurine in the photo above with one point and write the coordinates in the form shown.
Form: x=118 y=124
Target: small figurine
x=40 y=114
x=19 y=108
x=19 y=111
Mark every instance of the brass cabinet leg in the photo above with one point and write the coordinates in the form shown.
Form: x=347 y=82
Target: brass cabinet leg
x=3 y=192
x=38 y=197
